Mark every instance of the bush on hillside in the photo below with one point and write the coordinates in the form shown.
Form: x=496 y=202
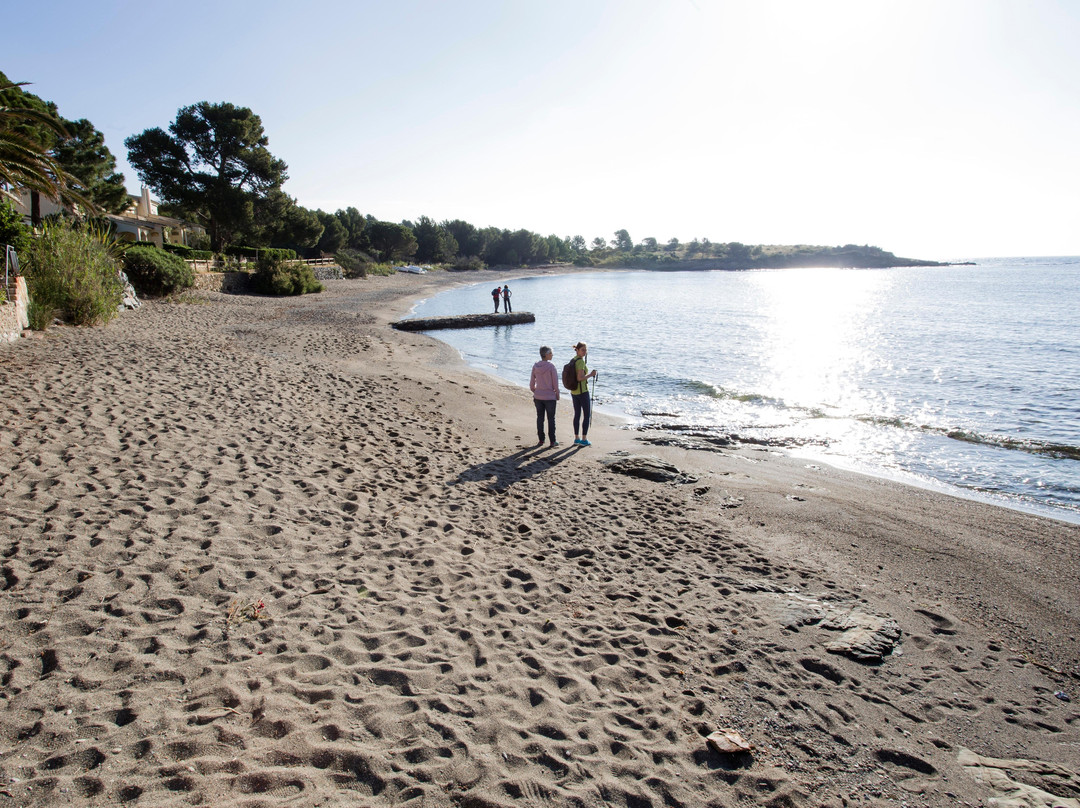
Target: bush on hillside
x=72 y=270
x=274 y=276
x=156 y=272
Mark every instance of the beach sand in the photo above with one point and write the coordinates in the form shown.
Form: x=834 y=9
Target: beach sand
x=261 y=552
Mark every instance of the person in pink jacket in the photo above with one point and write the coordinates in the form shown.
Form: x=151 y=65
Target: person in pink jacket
x=544 y=384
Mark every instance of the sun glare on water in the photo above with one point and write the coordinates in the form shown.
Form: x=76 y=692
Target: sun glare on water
x=819 y=330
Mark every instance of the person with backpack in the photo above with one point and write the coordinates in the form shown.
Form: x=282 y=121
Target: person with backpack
x=495 y=295
x=506 y=301
x=544 y=384
x=577 y=373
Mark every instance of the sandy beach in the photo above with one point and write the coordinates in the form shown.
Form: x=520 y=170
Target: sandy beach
x=262 y=552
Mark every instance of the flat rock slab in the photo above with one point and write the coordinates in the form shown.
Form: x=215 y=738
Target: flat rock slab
x=464 y=321
x=1021 y=783
x=649 y=468
x=863 y=636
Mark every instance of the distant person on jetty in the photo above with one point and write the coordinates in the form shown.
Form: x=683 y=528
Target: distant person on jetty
x=495 y=296
x=544 y=383
x=580 y=396
x=506 y=301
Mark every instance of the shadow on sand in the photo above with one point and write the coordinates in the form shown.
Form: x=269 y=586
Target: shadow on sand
x=521 y=465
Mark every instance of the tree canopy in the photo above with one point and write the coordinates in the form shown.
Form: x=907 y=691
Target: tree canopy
x=86 y=158
x=280 y=222
x=334 y=235
x=390 y=241
x=435 y=243
x=47 y=155
x=212 y=164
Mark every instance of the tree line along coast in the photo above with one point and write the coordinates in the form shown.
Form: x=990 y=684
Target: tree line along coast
x=212 y=167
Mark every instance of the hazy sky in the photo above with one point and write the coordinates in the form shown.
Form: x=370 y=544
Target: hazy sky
x=932 y=128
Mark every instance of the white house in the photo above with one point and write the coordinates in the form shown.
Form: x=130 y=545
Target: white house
x=142 y=222
x=139 y=222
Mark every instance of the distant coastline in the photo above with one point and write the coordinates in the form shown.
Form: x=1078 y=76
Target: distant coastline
x=847 y=257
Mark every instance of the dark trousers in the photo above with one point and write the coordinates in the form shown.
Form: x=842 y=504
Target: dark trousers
x=545 y=409
x=506 y=305
x=582 y=412
x=496 y=305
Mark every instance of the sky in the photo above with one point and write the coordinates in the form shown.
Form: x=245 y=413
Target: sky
x=939 y=129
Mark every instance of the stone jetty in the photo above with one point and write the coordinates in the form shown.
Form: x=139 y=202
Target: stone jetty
x=464 y=321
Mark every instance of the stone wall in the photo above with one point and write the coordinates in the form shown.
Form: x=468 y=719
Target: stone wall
x=240 y=282
x=13 y=317
x=233 y=282
x=328 y=272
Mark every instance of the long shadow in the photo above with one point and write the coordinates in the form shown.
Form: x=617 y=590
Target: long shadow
x=521 y=465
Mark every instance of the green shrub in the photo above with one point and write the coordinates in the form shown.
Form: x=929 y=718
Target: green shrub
x=39 y=315
x=178 y=249
x=256 y=253
x=12 y=230
x=353 y=263
x=467 y=262
x=156 y=272
x=276 y=277
x=199 y=241
x=280 y=253
x=71 y=269
x=202 y=255
x=241 y=252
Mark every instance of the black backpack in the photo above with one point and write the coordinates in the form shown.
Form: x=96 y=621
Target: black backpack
x=569 y=374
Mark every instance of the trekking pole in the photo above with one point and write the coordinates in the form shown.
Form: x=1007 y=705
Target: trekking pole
x=595 y=382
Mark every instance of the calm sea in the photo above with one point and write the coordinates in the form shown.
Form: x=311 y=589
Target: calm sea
x=963 y=378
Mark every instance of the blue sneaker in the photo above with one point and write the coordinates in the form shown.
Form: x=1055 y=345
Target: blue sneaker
x=584 y=442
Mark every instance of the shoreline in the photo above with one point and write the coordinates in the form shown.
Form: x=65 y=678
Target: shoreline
x=897 y=476
x=271 y=551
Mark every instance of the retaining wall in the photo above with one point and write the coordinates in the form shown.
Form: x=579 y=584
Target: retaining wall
x=240 y=282
x=235 y=282
x=13 y=316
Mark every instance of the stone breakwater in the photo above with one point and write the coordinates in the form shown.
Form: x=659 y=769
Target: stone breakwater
x=464 y=321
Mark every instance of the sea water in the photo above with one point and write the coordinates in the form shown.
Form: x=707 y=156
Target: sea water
x=961 y=378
